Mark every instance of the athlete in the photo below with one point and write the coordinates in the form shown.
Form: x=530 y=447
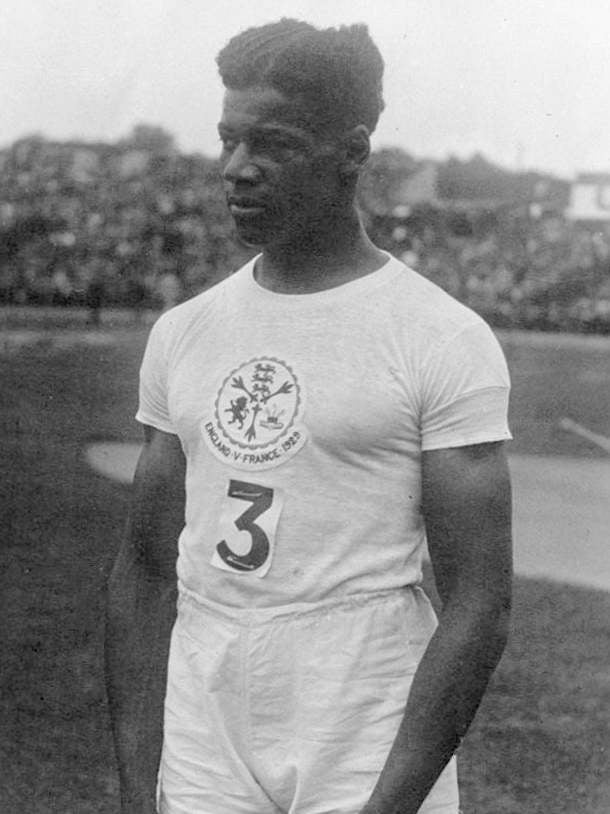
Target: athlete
x=310 y=422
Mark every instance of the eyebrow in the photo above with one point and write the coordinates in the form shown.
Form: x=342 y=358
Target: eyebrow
x=268 y=129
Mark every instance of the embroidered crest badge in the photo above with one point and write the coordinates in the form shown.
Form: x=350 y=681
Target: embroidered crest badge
x=257 y=421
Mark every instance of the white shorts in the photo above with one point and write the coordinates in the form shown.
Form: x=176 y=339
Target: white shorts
x=290 y=710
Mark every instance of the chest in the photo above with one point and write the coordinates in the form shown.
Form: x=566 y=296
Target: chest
x=344 y=388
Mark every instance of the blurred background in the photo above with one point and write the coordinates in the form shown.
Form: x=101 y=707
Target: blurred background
x=490 y=175
x=491 y=170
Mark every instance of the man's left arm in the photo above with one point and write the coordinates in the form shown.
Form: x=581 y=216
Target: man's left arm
x=466 y=499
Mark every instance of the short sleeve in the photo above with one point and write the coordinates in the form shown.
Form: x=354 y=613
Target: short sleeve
x=153 y=395
x=466 y=388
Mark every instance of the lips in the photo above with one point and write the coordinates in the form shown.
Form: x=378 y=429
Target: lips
x=245 y=206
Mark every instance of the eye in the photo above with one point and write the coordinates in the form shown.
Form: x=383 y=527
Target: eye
x=284 y=143
x=229 y=144
x=275 y=145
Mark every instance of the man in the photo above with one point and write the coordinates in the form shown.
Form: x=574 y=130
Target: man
x=308 y=423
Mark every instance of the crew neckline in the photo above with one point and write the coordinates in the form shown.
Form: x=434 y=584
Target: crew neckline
x=391 y=268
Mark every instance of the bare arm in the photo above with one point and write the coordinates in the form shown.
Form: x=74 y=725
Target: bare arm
x=467 y=509
x=140 y=614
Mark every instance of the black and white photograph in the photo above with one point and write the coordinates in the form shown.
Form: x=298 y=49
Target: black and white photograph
x=304 y=407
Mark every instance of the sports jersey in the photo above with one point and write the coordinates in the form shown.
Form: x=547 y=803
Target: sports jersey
x=303 y=419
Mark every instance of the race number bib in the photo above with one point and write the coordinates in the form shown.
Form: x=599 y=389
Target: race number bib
x=247 y=528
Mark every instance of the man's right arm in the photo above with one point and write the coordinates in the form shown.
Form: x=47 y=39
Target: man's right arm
x=141 y=609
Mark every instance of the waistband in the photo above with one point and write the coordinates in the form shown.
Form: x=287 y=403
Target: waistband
x=249 y=617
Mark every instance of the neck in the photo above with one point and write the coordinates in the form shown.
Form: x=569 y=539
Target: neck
x=320 y=258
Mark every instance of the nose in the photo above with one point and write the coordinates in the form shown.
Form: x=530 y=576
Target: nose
x=239 y=166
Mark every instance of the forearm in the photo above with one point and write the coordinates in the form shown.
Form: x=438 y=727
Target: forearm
x=140 y=615
x=446 y=691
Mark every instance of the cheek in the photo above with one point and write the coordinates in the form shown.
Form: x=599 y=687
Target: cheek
x=309 y=183
x=292 y=191
x=301 y=187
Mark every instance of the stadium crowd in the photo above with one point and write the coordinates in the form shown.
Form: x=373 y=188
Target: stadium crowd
x=139 y=224
x=515 y=266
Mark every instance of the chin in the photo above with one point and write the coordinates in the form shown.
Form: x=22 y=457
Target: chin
x=260 y=232
x=250 y=232
x=254 y=240
x=258 y=237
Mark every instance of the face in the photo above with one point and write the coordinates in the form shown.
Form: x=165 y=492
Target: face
x=280 y=177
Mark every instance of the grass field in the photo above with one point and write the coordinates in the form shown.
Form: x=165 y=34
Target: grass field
x=541 y=739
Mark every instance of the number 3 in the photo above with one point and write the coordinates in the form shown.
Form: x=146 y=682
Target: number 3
x=261 y=498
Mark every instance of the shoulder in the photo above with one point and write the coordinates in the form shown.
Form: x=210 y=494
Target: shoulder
x=446 y=349
x=423 y=314
x=429 y=307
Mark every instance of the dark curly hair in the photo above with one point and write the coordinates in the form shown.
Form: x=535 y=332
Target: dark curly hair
x=336 y=72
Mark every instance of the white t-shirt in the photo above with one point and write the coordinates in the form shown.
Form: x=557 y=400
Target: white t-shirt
x=303 y=419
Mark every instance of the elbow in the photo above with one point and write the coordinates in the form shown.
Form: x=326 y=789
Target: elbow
x=493 y=604
x=494 y=622
x=500 y=607
x=138 y=572
x=502 y=627
x=484 y=619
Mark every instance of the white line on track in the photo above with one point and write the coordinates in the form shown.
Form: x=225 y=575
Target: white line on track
x=577 y=429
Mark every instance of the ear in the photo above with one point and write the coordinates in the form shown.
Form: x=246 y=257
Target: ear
x=356 y=149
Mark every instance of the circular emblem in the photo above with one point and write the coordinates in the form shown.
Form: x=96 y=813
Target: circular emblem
x=257 y=413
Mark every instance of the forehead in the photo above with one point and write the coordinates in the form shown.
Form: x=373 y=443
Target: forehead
x=260 y=106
